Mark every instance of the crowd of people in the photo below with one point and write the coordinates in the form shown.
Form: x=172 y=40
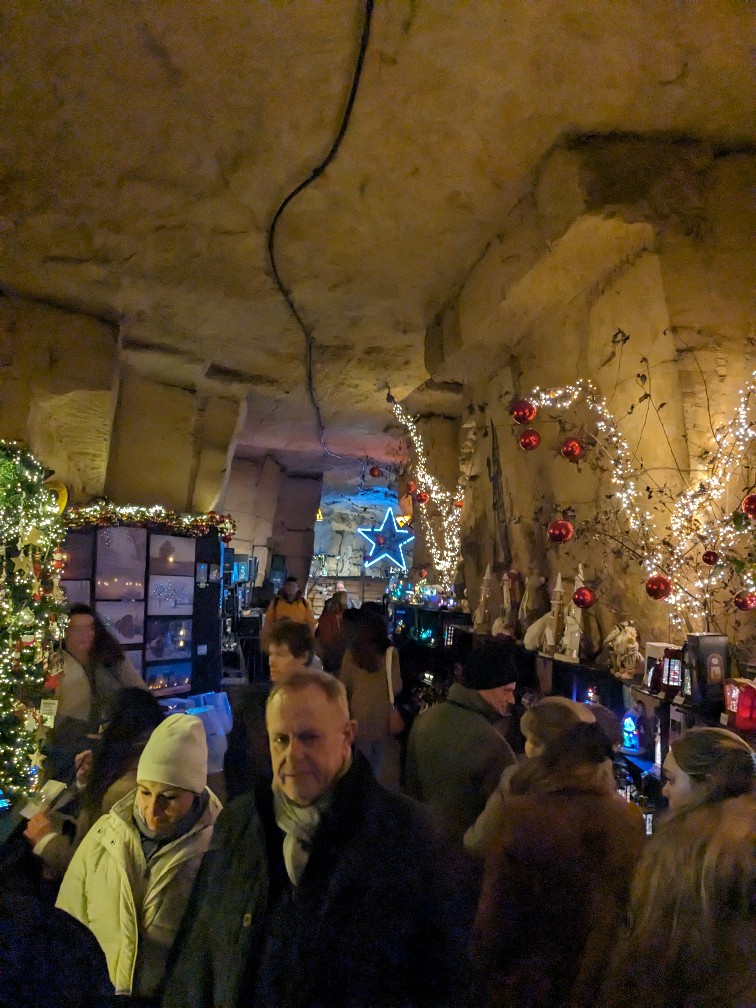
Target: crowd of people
x=349 y=870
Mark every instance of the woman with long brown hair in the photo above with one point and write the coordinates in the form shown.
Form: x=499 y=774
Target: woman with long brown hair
x=366 y=668
x=693 y=913
x=556 y=883
x=95 y=667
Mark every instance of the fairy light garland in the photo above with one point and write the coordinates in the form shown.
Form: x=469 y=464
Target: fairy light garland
x=32 y=609
x=104 y=513
x=441 y=518
x=698 y=519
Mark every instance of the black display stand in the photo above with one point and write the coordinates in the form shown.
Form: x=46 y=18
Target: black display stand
x=159 y=594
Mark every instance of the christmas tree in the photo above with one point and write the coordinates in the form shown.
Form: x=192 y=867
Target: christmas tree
x=32 y=617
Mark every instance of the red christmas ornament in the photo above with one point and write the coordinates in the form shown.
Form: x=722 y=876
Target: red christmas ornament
x=560 y=531
x=749 y=506
x=658 y=587
x=459 y=503
x=584 y=597
x=375 y=472
x=745 y=601
x=423 y=572
x=523 y=411
x=710 y=558
x=422 y=497
x=411 y=487
x=228 y=537
x=51 y=683
x=571 y=449
x=529 y=440
x=380 y=540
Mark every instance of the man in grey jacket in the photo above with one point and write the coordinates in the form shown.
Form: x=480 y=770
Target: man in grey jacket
x=457 y=749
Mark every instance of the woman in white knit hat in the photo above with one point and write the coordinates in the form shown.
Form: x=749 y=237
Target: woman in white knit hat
x=129 y=881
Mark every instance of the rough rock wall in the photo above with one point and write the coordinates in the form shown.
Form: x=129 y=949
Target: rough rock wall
x=635 y=272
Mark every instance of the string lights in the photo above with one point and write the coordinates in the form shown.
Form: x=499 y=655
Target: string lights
x=32 y=619
x=159 y=519
x=441 y=516
x=699 y=521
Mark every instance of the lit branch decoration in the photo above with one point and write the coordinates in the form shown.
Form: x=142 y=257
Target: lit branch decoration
x=441 y=516
x=32 y=619
x=104 y=513
x=698 y=520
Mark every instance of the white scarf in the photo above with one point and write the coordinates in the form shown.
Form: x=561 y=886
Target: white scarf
x=299 y=823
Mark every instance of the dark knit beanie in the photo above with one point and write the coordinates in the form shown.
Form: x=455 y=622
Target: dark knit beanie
x=489 y=666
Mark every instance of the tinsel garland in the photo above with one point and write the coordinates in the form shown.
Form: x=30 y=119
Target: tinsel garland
x=104 y=513
x=32 y=610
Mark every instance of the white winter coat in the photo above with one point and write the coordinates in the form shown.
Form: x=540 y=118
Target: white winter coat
x=133 y=908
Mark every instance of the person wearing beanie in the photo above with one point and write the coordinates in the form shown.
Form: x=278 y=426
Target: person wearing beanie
x=542 y=724
x=457 y=749
x=129 y=881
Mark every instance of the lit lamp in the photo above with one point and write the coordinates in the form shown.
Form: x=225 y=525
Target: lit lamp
x=634 y=739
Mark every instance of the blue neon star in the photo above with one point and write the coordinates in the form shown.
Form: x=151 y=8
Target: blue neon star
x=395 y=539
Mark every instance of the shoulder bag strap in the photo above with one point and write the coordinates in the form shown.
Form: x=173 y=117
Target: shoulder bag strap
x=389 y=663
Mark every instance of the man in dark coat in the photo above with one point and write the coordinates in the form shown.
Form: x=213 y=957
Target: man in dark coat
x=337 y=894
x=458 y=749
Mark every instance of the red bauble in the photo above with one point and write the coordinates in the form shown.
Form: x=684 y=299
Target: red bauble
x=523 y=411
x=423 y=572
x=745 y=601
x=658 y=587
x=560 y=531
x=584 y=597
x=459 y=503
x=710 y=558
x=411 y=487
x=375 y=472
x=529 y=440
x=749 y=506
x=422 y=497
x=227 y=538
x=571 y=449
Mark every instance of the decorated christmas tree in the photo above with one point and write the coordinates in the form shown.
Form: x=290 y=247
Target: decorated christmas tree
x=32 y=617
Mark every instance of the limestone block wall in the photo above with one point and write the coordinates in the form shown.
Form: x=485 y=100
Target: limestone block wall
x=294 y=526
x=251 y=496
x=637 y=278
x=58 y=383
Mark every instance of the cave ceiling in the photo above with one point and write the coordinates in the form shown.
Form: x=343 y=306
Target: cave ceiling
x=146 y=146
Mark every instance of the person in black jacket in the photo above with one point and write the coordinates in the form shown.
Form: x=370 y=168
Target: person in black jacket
x=335 y=893
x=47 y=959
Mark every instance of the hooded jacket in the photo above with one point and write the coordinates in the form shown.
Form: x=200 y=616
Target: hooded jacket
x=134 y=907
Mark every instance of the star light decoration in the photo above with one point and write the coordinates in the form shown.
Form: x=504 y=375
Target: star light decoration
x=698 y=517
x=387 y=542
x=441 y=517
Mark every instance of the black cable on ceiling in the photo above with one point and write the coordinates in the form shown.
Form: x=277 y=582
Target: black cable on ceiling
x=314 y=174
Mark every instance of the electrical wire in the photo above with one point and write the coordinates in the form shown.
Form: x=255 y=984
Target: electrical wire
x=314 y=174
